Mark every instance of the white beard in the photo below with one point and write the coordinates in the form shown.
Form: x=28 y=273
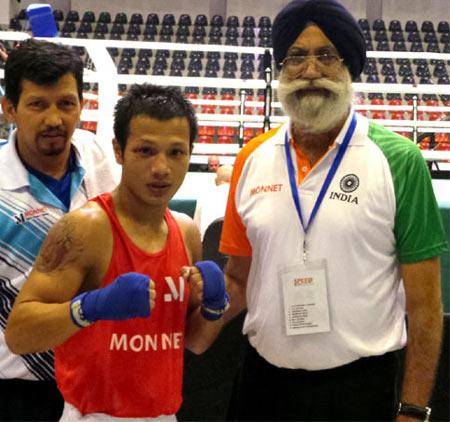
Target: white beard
x=316 y=113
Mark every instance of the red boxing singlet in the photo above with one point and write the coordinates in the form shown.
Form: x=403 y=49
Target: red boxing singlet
x=131 y=368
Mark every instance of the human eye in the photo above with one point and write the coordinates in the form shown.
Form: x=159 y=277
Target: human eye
x=295 y=60
x=67 y=103
x=145 y=151
x=36 y=104
x=177 y=152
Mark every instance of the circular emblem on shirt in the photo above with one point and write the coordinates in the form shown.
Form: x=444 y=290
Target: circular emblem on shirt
x=349 y=183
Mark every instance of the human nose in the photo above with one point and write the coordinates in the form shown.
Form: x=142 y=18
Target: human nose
x=310 y=69
x=161 y=165
x=53 y=117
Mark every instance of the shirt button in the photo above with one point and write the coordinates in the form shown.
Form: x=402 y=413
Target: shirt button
x=304 y=169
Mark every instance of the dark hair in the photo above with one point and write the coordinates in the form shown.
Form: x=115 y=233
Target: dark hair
x=157 y=102
x=42 y=63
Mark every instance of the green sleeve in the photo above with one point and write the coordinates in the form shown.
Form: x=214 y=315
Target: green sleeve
x=419 y=229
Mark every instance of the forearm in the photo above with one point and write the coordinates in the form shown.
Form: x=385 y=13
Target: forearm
x=236 y=292
x=422 y=354
x=200 y=333
x=36 y=327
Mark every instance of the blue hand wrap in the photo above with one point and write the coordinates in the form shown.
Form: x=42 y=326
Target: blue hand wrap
x=215 y=297
x=126 y=297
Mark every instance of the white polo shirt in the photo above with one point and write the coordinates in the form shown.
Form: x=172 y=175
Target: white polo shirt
x=379 y=210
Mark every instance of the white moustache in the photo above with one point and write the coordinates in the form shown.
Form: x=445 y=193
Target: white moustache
x=287 y=88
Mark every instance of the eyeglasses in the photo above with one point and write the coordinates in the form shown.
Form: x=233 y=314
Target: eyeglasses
x=298 y=63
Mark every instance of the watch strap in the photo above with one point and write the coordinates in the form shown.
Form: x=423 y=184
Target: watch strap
x=413 y=411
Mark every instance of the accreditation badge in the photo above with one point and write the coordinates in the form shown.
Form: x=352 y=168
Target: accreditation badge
x=305 y=297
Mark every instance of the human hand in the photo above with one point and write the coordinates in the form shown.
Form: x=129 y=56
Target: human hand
x=130 y=295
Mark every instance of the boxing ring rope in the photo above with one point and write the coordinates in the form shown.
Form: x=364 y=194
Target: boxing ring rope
x=108 y=81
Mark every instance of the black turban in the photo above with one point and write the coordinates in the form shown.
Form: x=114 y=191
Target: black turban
x=332 y=18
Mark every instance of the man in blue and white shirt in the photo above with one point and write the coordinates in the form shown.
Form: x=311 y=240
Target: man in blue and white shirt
x=48 y=168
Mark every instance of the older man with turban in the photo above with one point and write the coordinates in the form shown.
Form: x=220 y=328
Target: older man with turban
x=333 y=233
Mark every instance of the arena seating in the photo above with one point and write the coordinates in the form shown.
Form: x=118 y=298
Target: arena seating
x=380 y=35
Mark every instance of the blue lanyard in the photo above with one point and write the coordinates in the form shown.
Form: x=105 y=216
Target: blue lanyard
x=331 y=172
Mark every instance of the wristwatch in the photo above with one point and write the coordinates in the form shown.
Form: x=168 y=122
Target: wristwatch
x=413 y=411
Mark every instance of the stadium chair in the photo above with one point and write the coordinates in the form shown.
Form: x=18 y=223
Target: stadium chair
x=150 y=30
x=179 y=54
x=160 y=62
x=101 y=28
x=416 y=47
x=390 y=79
x=129 y=52
x=168 y=19
x=378 y=24
x=224 y=139
x=185 y=20
x=414 y=36
x=427 y=26
x=121 y=18
x=246 y=74
x=206 y=131
x=215 y=31
x=411 y=25
x=248 y=22
x=178 y=62
x=115 y=36
x=166 y=30
x=201 y=20
x=378 y=114
x=264 y=22
x=183 y=31
x=134 y=28
x=226 y=130
x=69 y=27
x=395 y=25
x=81 y=34
x=99 y=36
x=152 y=19
x=232 y=21
x=104 y=17
x=364 y=24
x=444 y=38
x=211 y=73
x=380 y=35
x=217 y=21
x=140 y=70
x=58 y=15
x=372 y=79
x=85 y=27
x=228 y=93
x=265 y=42
x=125 y=62
x=158 y=71
x=143 y=61
x=204 y=139
x=399 y=46
x=88 y=16
x=248 y=31
x=430 y=37
x=72 y=16
x=265 y=32
x=136 y=19
x=117 y=28
x=397 y=36
x=113 y=52
x=248 y=42
x=382 y=46
x=407 y=79
x=443 y=27
x=433 y=47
